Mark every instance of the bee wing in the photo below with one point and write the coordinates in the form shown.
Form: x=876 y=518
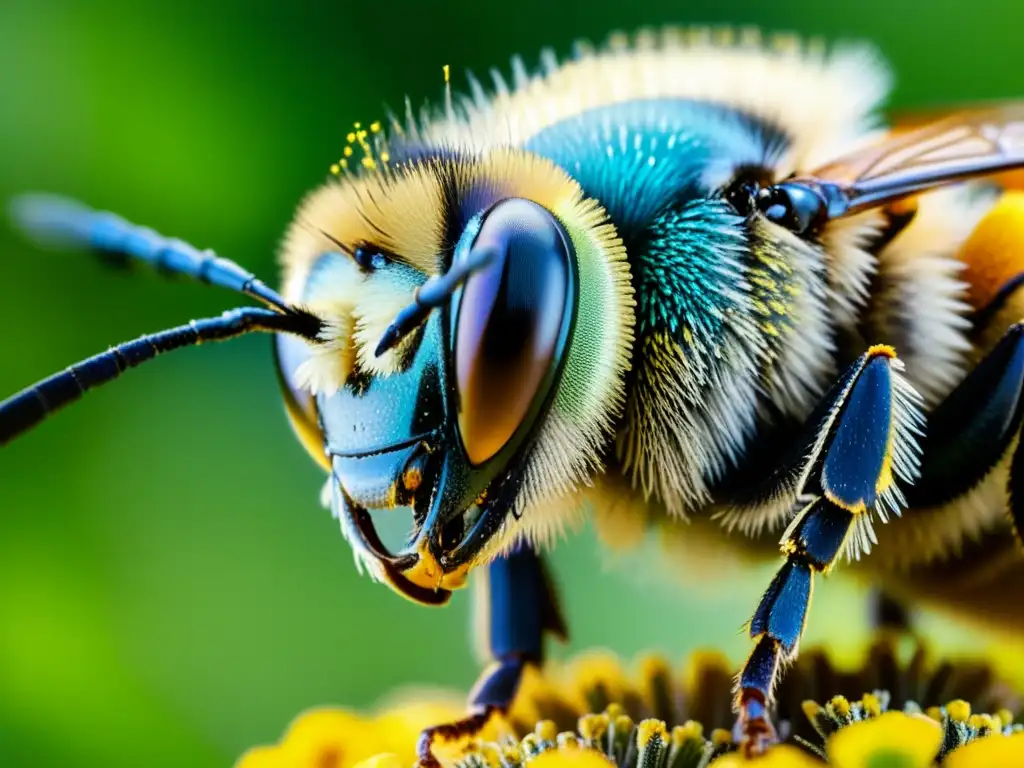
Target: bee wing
x=906 y=120
x=967 y=145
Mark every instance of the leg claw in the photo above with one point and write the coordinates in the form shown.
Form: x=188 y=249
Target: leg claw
x=460 y=729
x=754 y=731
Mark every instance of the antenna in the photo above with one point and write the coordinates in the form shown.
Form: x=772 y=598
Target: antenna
x=60 y=222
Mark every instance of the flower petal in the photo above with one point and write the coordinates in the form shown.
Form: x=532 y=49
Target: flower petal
x=386 y=760
x=331 y=738
x=892 y=740
x=988 y=752
x=398 y=728
x=782 y=756
x=571 y=758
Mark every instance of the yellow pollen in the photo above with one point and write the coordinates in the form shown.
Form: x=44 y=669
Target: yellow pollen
x=546 y=730
x=348 y=151
x=689 y=730
x=840 y=706
x=934 y=713
x=357 y=125
x=872 y=705
x=368 y=163
x=651 y=729
x=350 y=138
x=983 y=721
x=335 y=169
x=593 y=727
x=384 y=157
x=1005 y=717
x=447 y=72
x=375 y=126
x=721 y=736
x=958 y=710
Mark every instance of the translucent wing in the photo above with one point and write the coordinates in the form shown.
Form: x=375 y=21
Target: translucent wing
x=971 y=144
x=905 y=120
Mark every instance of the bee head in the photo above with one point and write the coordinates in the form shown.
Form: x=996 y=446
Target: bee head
x=478 y=325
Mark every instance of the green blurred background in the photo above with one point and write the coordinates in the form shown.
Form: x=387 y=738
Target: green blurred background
x=170 y=590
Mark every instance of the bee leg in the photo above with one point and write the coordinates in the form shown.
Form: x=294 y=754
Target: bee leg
x=860 y=444
x=519 y=607
x=780 y=617
x=973 y=430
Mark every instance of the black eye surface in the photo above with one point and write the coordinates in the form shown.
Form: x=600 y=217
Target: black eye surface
x=794 y=206
x=512 y=322
x=369 y=259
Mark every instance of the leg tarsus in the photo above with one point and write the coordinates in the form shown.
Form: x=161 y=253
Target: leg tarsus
x=466 y=728
x=754 y=731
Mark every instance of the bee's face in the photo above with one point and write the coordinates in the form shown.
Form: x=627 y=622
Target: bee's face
x=502 y=398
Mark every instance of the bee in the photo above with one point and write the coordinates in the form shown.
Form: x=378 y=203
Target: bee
x=684 y=276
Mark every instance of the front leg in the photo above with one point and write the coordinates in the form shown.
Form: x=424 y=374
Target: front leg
x=861 y=441
x=519 y=606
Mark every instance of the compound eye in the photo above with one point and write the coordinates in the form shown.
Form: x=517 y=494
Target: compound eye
x=512 y=322
x=794 y=206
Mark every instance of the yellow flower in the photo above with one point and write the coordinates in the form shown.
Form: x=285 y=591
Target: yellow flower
x=593 y=713
x=894 y=739
x=782 y=756
x=992 y=753
x=320 y=738
x=337 y=738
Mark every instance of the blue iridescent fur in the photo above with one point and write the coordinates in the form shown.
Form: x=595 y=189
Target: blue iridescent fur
x=656 y=166
x=679 y=279
x=642 y=157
